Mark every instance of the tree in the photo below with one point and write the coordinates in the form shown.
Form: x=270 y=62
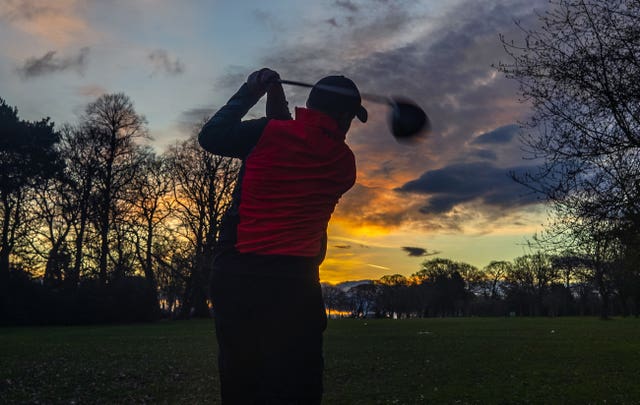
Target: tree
x=202 y=185
x=579 y=71
x=528 y=282
x=54 y=217
x=393 y=295
x=363 y=298
x=334 y=297
x=114 y=124
x=80 y=152
x=495 y=273
x=438 y=282
x=27 y=157
x=152 y=206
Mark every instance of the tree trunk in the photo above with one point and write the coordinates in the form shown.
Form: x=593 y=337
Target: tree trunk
x=104 y=215
x=148 y=262
x=74 y=277
x=604 y=294
x=104 y=245
x=49 y=272
x=5 y=248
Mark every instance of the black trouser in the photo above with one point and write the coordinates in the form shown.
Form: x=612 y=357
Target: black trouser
x=269 y=316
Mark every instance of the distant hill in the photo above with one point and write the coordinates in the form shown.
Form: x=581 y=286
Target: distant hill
x=346 y=285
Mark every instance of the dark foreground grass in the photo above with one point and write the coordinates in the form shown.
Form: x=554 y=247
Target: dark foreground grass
x=562 y=360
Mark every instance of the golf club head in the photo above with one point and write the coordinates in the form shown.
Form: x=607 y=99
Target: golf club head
x=407 y=121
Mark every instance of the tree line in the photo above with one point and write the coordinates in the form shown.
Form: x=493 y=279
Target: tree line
x=537 y=284
x=96 y=226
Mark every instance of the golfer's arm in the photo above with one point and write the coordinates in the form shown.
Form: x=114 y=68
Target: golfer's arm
x=277 y=105
x=226 y=134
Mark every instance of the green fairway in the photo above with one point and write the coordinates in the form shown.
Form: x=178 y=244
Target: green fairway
x=493 y=360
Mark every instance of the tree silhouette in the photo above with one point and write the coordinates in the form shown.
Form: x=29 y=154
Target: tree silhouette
x=27 y=158
x=152 y=206
x=114 y=125
x=202 y=184
x=495 y=273
x=579 y=71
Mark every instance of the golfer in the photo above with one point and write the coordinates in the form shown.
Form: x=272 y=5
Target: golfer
x=269 y=311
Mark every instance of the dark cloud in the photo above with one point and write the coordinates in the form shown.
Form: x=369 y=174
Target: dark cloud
x=442 y=62
x=332 y=22
x=233 y=77
x=418 y=251
x=162 y=62
x=385 y=170
x=270 y=21
x=195 y=117
x=14 y=10
x=50 y=63
x=465 y=182
x=347 y=5
x=342 y=246
x=484 y=154
x=498 y=136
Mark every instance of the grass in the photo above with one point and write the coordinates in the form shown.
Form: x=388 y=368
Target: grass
x=480 y=360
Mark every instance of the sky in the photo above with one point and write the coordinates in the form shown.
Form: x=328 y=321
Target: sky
x=448 y=196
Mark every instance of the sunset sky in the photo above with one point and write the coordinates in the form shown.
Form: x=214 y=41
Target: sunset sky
x=181 y=60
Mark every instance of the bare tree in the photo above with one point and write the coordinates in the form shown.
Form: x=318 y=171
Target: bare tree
x=531 y=277
x=333 y=297
x=393 y=299
x=202 y=189
x=55 y=218
x=152 y=206
x=495 y=273
x=115 y=125
x=79 y=151
x=579 y=70
x=363 y=297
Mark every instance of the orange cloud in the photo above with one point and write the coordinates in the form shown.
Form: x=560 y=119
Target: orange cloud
x=57 y=23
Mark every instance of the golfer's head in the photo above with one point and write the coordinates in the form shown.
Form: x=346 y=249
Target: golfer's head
x=338 y=97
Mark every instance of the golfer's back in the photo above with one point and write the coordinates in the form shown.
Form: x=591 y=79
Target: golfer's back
x=292 y=182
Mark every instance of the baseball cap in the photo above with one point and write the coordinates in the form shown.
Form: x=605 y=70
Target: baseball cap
x=337 y=94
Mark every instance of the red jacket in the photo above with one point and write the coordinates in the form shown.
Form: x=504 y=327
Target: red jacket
x=294 y=172
x=292 y=182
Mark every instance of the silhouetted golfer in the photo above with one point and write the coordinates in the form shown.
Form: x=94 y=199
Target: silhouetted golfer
x=268 y=304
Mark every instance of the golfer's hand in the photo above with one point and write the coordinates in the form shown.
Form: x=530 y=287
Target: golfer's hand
x=261 y=81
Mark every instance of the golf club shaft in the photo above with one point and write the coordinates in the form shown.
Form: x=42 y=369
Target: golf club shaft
x=367 y=96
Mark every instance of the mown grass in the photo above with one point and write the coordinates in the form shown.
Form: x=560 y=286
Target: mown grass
x=483 y=360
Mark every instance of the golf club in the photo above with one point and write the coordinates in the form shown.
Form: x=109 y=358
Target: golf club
x=407 y=121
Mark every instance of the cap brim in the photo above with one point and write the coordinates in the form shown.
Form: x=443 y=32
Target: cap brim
x=362 y=114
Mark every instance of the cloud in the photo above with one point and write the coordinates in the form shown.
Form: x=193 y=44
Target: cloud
x=162 y=62
x=376 y=266
x=484 y=154
x=14 y=10
x=59 y=22
x=347 y=5
x=232 y=78
x=478 y=181
x=194 y=117
x=91 y=90
x=418 y=251
x=270 y=21
x=498 y=136
x=50 y=63
x=379 y=207
x=332 y=22
x=443 y=60
x=342 y=246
